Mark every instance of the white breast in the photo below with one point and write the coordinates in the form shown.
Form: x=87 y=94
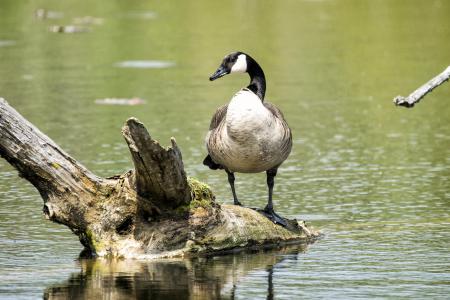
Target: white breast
x=251 y=138
x=246 y=115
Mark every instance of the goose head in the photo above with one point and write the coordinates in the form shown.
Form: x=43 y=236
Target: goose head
x=235 y=62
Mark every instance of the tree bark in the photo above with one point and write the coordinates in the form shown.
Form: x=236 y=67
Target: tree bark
x=152 y=211
x=418 y=94
x=168 y=187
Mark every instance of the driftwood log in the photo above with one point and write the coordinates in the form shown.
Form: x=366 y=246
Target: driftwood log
x=152 y=211
x=418 y=94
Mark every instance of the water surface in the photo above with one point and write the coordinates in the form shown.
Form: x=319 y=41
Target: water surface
x=374 y=178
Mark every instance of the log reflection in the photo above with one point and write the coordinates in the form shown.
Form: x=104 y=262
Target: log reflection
x=200 y=278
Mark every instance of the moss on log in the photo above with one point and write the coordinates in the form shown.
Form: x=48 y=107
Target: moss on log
x=152 y=211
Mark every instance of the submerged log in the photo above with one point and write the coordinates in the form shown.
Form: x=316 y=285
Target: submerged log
x=152 y=211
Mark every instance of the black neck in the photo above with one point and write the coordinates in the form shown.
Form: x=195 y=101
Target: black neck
x=257 y=78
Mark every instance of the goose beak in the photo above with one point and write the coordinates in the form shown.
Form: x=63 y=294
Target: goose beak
x=221 y=71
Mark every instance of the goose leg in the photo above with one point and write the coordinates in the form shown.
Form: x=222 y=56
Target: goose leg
x=231 y=181
x=268 y=210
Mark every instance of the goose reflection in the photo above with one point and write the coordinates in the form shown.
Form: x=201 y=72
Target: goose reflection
x=215 y=277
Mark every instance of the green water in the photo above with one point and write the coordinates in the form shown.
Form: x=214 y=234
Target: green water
x=373 y=177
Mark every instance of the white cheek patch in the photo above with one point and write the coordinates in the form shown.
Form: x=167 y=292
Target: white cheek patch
x=240 y=66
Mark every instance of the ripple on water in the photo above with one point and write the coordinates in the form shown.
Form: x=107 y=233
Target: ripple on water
x=6 y=43
x=144 y=15
x=145 y=64
x=374 y=179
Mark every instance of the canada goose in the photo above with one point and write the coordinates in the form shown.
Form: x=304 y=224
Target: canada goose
x=248 y=135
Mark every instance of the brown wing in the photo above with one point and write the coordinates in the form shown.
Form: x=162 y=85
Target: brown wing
x=275 y=111
x=215 y=121
x=218 y=116
x=287 y=145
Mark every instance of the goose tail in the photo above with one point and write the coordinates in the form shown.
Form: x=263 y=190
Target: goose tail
x=208 y=161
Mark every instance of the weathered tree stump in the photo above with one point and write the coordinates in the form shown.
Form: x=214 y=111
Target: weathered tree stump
x=149 y=212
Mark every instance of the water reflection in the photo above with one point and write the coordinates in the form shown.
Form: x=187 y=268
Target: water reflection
x=200 y=278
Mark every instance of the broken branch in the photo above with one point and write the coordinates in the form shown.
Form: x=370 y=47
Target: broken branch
x=418 y=94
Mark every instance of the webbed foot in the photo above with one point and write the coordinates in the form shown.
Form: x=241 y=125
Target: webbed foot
x=273 y=216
